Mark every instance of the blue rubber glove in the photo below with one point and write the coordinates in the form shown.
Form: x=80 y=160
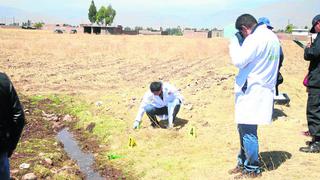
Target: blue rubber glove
x=136 y=124
x=240 y=38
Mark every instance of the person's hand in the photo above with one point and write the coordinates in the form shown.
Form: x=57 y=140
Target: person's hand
x=240 y=38
x=136 y=124
x=308 y=45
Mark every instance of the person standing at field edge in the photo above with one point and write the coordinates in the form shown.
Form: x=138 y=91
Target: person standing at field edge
x=312 y=82
x=161 y=99
x=11 y=123
x=258 y=60
x=266 y=21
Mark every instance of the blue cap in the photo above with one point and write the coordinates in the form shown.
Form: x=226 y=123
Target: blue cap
x=266 y=21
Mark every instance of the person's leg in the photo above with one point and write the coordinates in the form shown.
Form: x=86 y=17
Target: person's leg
x=152 y=111
x=241 y=156
x=313 y=114
x=251 y=148
x=4 y=166
x=173 y=109
x=313 y=119
x=176 y=111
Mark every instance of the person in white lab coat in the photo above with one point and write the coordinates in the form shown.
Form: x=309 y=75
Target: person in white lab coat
x=257 y=59
x=161 y=99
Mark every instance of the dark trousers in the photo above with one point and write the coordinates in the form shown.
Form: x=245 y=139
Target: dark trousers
x=153 y=111
x=4 y=166
x=313 y=114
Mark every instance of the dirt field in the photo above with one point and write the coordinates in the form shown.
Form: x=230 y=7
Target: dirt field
x=116 y=71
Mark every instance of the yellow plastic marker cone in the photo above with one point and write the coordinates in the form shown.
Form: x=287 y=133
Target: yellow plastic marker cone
x=192 y=132
x=132 y=142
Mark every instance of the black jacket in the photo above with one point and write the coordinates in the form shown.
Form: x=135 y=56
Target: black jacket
x=312 y=54
x=12 y=118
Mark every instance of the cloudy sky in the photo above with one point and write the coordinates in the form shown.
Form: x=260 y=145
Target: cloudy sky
x=164 y=13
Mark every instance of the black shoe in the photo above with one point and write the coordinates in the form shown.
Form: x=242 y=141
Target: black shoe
x=312 y=148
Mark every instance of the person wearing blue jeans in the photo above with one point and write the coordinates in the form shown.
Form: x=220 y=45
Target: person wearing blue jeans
x=248 y=158
x=255 y=51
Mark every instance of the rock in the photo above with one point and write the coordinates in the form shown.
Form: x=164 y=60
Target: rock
x=90 y=127
x=13 y=178
x=65 y=168
x=99 y=103
x=27 y=111
x=189 y=107
x=223 y=78
x=24 y=166
x=29 y=176
x=206 y=124
x=14 y=171
x=48 y=161
x=67 y=118
x=57 y=126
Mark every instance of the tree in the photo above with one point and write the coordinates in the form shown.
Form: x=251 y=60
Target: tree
x=127 y=28
x=106 y=15
x=138 y=28
x=175 y=31
x=289 y=28
x=101 y=15
x=109 y=16
x=92 y=15
x=38 y=25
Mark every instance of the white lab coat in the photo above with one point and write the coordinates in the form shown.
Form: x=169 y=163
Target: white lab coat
x=171 y=98
x=258 y=61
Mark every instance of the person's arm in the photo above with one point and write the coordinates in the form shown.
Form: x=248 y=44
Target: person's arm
x=242 y=55
x=281 y=57
x=17 y=121
x=141 y=111
x=176 y=99
x=312 y=51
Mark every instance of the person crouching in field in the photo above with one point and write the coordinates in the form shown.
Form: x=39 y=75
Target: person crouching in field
x=258 y=60
x=312 y=81
x=161 y=99
x=11 y=123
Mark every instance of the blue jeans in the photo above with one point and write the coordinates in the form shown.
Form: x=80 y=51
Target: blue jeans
x=249 y=148
x=4 y=166
x=153 y=111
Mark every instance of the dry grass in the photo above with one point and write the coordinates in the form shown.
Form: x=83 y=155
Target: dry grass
x=117 y=69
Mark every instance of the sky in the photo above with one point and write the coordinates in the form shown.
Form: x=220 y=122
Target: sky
x=164 y=13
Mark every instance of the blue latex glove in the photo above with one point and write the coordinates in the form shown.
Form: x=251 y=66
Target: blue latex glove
x=240 y=38
x=136 y=124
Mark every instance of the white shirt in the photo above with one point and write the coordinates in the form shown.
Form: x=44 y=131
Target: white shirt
x=171 y=97
x=258 y=61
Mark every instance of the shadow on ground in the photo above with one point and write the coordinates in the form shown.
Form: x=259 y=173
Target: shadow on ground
x=278 y=113
x=179 y=123
x=273 y=159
